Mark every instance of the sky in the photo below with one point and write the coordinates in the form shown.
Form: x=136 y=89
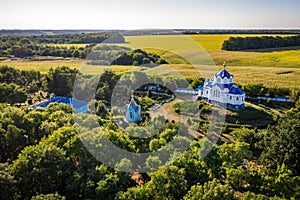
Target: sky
x=150 y=14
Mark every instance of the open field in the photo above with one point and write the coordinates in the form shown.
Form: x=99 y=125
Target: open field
x=280 y=68
x=45 y=65
x=269 y=76
x=274 y=69
x=68 y=45
x=167 y=45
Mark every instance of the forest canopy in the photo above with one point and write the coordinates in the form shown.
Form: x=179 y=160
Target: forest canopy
x=264 y=42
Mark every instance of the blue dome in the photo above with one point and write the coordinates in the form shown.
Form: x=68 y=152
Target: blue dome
x=224 y=73
x=236 y=90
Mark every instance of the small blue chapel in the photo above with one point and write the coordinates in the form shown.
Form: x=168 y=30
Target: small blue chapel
x=133 y=111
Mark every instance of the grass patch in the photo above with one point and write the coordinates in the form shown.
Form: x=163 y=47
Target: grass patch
x=146 y=102
x=253 y=115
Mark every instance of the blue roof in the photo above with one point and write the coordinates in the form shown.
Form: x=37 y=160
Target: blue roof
x=224 y=73
x=133 y=104
x=228 y=86
x=75 y=103
x=222 y=86
x=236 y=90
x=200 y=88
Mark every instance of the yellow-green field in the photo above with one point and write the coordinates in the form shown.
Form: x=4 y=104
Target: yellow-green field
x=273 y=68
x=44 y=66
x=69 y=45
x=176 y=44
x=272 y=77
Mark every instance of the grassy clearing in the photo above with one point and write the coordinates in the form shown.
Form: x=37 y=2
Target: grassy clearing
x=253 y=115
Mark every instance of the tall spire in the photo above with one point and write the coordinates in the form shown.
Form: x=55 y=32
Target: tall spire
x=224 y=65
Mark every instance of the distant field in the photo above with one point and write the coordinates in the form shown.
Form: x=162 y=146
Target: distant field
x=273 y=68
x=68 y=45
x=44 y=66
x=271 y=77
x=212 y=44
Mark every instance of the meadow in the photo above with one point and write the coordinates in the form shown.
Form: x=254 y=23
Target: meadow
x=44 y=65
x=274 y=67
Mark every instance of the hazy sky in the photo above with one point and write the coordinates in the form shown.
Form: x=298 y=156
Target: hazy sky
x=139 y=14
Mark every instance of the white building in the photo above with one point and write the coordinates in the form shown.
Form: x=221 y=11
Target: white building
x=221 y=90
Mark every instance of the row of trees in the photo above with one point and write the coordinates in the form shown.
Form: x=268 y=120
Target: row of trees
x=259 y=89
x=32 y=49
x=83 y=38
x=19 y=77
x=33 y=81
x=138 y=57
x=246 y=43
x=37 y=45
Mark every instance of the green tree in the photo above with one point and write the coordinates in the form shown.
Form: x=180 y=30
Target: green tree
x=12 y=93
x=212 y=190
x=60 y=81
x=7 y=183
x=281 y=143
x=52 y=196
x=40 y=169
x=233 y=154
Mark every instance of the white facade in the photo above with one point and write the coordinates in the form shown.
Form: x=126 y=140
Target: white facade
x=222 y=90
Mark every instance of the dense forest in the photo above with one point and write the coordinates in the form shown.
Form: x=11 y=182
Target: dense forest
x=31 y=47
x=21 y=46
x=42 y=155
x=247 y=43
x=116 y=55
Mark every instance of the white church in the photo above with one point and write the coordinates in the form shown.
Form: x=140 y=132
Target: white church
x=221 y=90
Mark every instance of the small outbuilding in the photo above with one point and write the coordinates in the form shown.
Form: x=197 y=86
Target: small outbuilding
x=78 y=105
x=133 y=111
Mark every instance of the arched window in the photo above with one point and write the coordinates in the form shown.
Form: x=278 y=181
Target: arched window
x=230 y=97
x=237 y=98
x=131 y=115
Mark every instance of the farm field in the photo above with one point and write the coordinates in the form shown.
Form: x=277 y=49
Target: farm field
x=212 y=44
x=45 y=65
x=274 y=69
x=279 y=68
x=269 y=76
